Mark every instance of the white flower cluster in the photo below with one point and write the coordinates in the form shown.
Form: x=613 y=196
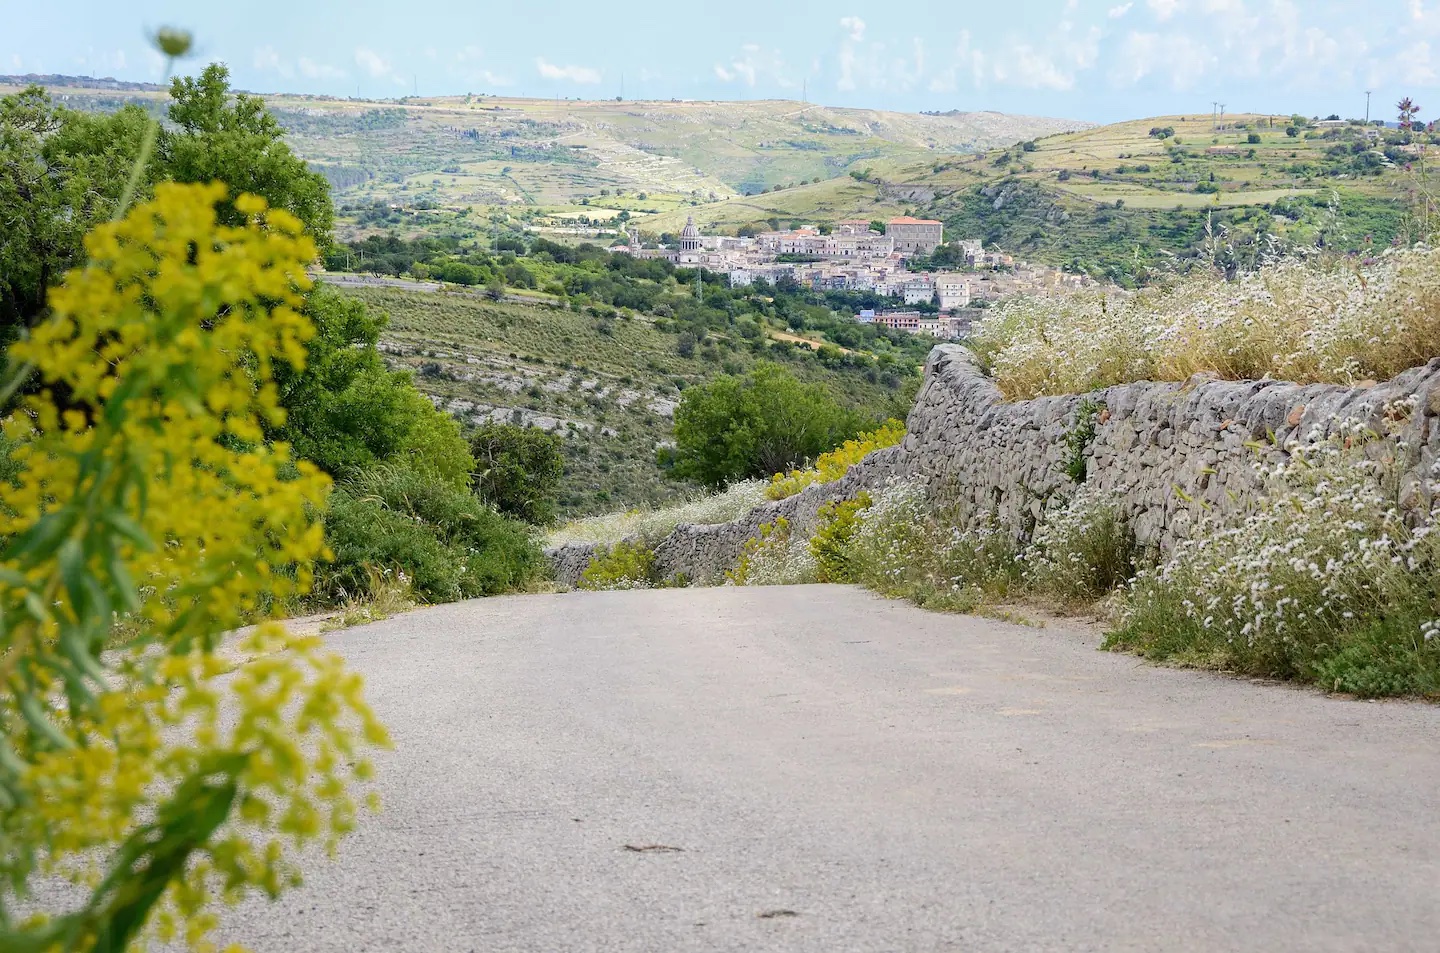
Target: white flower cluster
x=1082 y=549
x=654 y=525
x=1325 y=551
x=783 y=559
x=1310 y=320
x=903 y=546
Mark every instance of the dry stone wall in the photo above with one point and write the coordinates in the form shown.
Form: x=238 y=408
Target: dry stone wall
x=1173 y=452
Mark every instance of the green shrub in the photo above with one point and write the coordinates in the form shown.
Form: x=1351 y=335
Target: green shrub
x=834 y=464
x=1081 y=551
x=449 y=544
x=834 y=535
x=756 y=425
x=626 y=565
x=518 y=471
x=1324 y=581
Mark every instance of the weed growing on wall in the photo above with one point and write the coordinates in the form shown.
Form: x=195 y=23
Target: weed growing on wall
x=939 y=557
x=1325 y=581
x=834 y=537
x=1304 y=321
x=1082 y=550
x=626 y=565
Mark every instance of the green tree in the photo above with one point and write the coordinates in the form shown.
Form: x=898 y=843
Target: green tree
x=347 y=413
x=756 y=425
x=61 y=174
x=234 y=139
x=518 y=471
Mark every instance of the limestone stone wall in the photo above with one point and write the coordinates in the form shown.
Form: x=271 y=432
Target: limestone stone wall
x=1173 y=451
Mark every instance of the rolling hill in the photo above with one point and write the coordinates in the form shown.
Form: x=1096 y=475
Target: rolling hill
x=541 y=157
x=1124 y=196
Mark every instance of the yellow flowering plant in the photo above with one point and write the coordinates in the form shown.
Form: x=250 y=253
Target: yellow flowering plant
x=833 y=465
x=156 y=768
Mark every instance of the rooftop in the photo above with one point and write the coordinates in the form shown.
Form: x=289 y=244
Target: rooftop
x=908 y=220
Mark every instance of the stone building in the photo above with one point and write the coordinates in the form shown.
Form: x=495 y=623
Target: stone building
x=915 y=236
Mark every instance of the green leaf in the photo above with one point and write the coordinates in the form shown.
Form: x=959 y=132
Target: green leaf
x=128 y=528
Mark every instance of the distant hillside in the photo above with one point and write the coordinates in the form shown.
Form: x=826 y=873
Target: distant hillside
x=542 y=157
x=1118 y=202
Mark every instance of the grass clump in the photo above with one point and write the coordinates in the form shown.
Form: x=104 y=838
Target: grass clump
x=1325 y=581
x=834 y=464
x=1316 y=320
x=654 y=525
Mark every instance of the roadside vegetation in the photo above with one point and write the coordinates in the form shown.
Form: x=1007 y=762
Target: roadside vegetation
x=158 y=323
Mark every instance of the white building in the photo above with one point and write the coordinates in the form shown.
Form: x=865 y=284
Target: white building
x=952 y=291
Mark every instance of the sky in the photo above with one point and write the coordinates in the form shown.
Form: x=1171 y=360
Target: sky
x=1081 y=59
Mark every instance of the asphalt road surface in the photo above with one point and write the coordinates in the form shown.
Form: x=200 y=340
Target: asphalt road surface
x=816 y=769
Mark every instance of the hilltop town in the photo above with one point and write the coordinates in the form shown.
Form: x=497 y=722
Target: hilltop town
x=901 y=259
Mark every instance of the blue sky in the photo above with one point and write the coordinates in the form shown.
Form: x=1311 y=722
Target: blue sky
x=1100 y=61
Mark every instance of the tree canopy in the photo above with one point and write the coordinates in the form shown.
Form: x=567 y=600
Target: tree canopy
x=756 y=425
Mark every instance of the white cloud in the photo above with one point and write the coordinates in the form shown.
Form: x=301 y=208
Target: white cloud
x=313 y=70
x=1116 y=13
x=1165 y=9
x=268 y=60
x=1178 y=56
x=755 y=65
x=854 y=26
x=573 y=74
x=467 y=68
x=372 y=63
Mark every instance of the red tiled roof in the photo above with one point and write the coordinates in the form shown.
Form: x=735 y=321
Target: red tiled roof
x=907 y=220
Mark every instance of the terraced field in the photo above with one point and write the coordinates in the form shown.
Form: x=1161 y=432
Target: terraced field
x=609 y=386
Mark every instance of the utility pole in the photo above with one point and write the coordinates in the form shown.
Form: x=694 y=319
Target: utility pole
x=1214 y=114
x=415 y=79
x=1367 y=106
x=1222 y=111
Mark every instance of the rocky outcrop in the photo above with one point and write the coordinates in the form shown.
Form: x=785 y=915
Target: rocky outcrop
x=1173 y=452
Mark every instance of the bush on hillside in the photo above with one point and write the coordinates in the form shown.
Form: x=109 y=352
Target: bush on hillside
x=347 y=413
x=449 y=544
x=756 y=425
x=518 y=471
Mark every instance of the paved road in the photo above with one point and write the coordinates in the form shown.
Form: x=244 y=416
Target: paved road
x=829 y=772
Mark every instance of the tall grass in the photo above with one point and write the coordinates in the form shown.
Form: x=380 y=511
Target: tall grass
x=1308 y=321
x=655 y=524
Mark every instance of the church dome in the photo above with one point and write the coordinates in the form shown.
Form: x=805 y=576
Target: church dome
x=690 y=237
